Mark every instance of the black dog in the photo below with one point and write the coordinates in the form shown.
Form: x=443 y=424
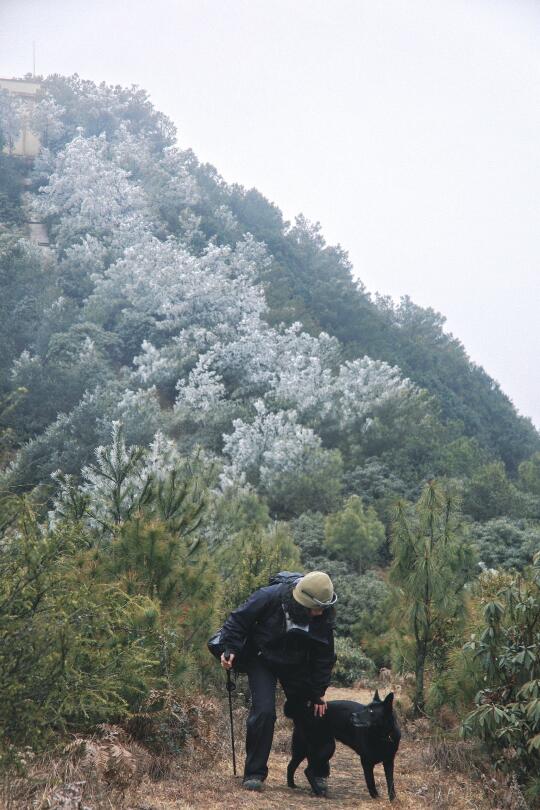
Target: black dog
x=372 y=731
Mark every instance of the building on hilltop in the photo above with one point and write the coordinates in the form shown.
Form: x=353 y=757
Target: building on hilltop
x=26 y=143
x=27 y=91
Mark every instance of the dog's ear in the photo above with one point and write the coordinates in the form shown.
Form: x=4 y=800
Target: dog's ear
x=356 y=720
x=388 y=701
x=376 y=698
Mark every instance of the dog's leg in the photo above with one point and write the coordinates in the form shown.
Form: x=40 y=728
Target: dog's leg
x=316 y=783
x=298 y=754
x=388 y=765
x=291 y=770
x=370 y=779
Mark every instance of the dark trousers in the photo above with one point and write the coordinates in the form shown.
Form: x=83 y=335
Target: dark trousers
x=262 y=717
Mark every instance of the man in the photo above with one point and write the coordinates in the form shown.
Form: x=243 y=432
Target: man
x=285 y=632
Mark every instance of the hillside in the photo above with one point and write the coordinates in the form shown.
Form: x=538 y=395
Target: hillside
x=313 y=283
x=196 y=394
x=108 y=144
x=175 y=302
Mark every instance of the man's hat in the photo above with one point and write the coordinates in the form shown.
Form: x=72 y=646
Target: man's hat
x=315 y=590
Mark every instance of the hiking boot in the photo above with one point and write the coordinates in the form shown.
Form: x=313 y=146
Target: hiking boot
x=318 y=784
x=252 y=783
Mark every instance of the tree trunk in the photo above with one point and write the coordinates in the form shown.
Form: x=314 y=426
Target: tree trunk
x=419 y=701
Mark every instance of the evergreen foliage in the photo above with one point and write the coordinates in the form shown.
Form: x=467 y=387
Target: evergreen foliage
x=355 y=534
x=505 y=543
x=253 y=557
x=148 y=558
x=71 y=652
x=529 y=475
x=432 y=562
x=352 y=664
x=127 y=482
x=489 y=493
x=504 y=659
x=197 y=394
x=365 y=604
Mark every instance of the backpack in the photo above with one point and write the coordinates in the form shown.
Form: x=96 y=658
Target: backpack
x=285 y=578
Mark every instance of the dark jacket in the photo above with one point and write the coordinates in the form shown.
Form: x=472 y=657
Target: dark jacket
x=301 y=659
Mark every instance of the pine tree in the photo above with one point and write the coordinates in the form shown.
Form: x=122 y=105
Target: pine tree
x=254 y=556
x=355 y=534
x=431 y=564
x=148 y=558
x=71 y=653
x=129 y=481
x=117 y=485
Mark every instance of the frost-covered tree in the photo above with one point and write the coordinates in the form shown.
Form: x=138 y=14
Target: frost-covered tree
x=287 y=366
x=129 y=481
x=364 y=384
x=295 y=370
x=87 y=194
x=80 y=264
x=241 y=364
x=188 y=303
x=202 y=391
x=42 y=167
x=167 y=178
x=117 y=484
x=272 y=444
x=283 y=460
x=45 y=119
x=140 y=411
x=197 y=299
x=335 y=400
x=106 y=108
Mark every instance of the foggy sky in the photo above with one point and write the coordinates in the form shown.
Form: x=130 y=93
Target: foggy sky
x=409 y=128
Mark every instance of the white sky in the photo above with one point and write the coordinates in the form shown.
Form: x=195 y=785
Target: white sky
x=409 y=128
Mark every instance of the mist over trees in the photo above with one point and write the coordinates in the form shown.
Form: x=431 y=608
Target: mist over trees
x=194 y=390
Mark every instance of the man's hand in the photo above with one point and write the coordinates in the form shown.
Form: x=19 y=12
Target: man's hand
x=319 y=709
x=227 y=663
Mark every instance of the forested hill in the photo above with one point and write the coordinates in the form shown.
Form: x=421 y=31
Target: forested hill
x=313 y=283
x=194 y=395
x=177 y=303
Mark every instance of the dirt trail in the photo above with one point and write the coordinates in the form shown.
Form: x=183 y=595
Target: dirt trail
x=418 y=785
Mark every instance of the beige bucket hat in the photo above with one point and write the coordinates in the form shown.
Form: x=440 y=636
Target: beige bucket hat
x=315 y=590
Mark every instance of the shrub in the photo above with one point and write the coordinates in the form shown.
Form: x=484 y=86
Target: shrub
x=355 y=534
x=505 y=542
x=71 y=653
x=505 y=655
x=352 y=664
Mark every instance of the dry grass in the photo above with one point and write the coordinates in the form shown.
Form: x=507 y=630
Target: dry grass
x=454 y=755
x=419 y=785
x=112 y=771
x=102 y=771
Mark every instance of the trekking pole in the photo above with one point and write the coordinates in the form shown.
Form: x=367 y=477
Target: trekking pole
x=231 y=686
